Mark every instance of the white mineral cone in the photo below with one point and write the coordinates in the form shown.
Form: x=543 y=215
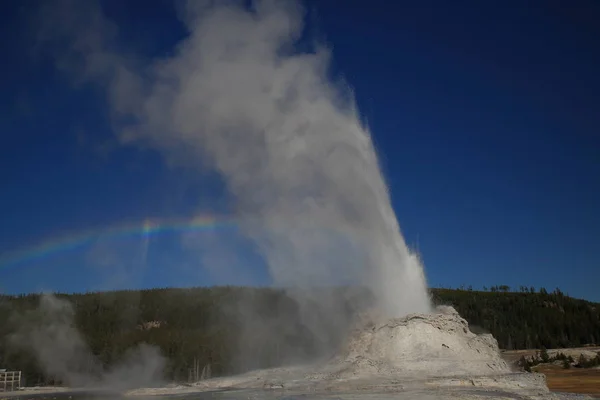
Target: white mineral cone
x=438 y=344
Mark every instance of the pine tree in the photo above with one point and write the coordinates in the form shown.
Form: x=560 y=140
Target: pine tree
x=544 y=357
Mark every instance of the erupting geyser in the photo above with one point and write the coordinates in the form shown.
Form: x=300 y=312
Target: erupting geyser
x=290 y=146
x=237 y=97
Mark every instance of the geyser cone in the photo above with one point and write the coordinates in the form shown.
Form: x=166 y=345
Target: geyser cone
x=436 y=344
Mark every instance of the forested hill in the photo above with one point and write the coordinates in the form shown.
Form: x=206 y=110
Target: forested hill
x=206 y=325
x=527 y=319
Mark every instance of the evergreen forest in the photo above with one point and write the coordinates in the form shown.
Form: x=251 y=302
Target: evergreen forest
x=235 y=329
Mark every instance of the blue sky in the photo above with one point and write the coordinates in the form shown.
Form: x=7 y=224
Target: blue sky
x=485 y=116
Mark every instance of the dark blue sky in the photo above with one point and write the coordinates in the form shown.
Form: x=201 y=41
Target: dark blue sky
x=485 y=114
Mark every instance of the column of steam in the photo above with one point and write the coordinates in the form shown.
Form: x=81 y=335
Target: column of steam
x=274 y=125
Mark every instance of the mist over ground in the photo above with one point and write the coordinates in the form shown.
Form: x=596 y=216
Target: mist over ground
x=125 y=339
x=49 y=334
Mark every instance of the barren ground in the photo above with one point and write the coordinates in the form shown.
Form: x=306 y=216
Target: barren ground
x=574 y=380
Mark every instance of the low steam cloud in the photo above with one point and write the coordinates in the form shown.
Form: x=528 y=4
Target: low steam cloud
x=49 y=333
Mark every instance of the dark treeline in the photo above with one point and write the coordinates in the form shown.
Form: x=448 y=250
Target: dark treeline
x=209 y=326
x=527 y=319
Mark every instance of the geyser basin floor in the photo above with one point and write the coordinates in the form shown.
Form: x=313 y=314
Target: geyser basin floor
x=513 y=386
x=418 y=356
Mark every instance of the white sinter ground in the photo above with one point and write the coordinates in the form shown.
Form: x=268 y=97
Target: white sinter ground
x=418 y=356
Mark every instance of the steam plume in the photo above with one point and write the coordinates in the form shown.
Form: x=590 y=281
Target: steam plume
x=236 y=97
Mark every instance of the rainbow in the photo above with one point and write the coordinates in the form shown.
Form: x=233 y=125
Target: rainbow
x=76 y=240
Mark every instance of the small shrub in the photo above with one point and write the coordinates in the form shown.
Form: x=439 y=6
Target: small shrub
x=525 y=364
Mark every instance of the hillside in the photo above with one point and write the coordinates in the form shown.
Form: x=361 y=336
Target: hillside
x=202 y=326
x=523 y=320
